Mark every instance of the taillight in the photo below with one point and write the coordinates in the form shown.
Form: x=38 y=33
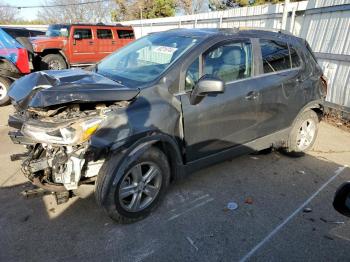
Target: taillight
x=23 y=61
x=324 y=84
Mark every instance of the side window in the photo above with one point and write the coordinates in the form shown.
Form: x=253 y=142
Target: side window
x=192 y=75
x=295 y=59
x=229 y=62
x=84 y=33
x=104 y=34
x=125 y=34
x=275 y=55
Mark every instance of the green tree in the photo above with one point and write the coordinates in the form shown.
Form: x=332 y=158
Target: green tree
x=131 y=9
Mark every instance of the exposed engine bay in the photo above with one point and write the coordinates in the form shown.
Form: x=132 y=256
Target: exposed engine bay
x=58 y=156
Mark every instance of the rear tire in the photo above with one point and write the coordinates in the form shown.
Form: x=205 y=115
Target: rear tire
x=53 y=62
x=303 y=134
x=4 y=88
x=138 y=191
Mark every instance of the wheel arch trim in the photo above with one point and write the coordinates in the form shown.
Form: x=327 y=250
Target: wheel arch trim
x=142 y=145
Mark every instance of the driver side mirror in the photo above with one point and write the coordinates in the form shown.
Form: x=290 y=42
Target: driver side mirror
x=341 y=201
x=206 y=85
x=77 y=37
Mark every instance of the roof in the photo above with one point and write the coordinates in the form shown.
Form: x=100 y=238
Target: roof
x=242 y=32
x=98 y=24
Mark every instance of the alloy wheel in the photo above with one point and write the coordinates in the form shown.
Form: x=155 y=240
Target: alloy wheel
x=140 y=186
x=3 y=91
x=306 y=134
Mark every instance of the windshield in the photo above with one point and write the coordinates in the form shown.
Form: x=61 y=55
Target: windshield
x=145 y=59
x=57 y=30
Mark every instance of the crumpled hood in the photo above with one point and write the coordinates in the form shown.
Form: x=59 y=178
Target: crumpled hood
x=49 y=88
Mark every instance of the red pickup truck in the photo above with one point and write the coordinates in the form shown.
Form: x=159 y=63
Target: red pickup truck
x=66 y=45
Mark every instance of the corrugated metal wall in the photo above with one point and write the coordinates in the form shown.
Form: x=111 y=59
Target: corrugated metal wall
x=325 y=24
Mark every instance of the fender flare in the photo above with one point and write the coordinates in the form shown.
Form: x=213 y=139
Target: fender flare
x=141 y=146
x=59 y=51
x=309 y=106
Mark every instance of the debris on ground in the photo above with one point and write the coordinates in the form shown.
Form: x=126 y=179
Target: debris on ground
x=337 y=120
x=248 y=200
x=307 y=210
x=192 y=243
x=302 y=172
x=232 y=206
x=328 y=237
x=254 y=157
x=331 y=221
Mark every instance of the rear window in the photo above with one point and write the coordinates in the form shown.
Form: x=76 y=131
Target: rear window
x=125 y=34
x=104 y=34
x=84 y=33
x=275 y=55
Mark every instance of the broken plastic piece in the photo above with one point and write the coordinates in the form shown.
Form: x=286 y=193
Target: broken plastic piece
x=307 y=210
x=232 y=205
x=248 y=200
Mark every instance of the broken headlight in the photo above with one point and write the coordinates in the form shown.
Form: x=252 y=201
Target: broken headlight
x=73 y=133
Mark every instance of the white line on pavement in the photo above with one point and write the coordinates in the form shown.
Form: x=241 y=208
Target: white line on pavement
x=279 y=227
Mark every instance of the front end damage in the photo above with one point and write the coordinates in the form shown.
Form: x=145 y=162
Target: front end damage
x=59 y=156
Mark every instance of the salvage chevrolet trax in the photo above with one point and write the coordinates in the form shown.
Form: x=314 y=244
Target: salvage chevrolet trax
x=161 y=107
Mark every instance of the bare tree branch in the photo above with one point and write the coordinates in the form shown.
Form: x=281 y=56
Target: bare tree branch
x=7 y=14
x=85 y=13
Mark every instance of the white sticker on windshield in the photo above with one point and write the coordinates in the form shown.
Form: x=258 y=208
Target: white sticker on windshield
x=165 y=49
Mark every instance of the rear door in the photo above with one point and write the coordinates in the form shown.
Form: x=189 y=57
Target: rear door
x=123 y=37
x=224 y=120
x=105 y=42
x=279 y=87
x=84 y=48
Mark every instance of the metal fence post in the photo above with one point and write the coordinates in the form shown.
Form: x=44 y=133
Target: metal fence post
x=285 y=14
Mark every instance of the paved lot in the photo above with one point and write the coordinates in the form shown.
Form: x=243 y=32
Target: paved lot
x=193 y=224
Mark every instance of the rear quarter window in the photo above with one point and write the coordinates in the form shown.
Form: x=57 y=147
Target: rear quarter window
x=125 y=34
x=275 y=56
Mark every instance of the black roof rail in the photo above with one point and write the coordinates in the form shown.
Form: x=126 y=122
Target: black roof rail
x=274 y=30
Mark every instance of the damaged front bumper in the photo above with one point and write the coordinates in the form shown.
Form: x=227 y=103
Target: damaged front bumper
x=58 y=168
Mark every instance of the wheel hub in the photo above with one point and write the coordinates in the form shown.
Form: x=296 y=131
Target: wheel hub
x=140 y=187
x=306 y=134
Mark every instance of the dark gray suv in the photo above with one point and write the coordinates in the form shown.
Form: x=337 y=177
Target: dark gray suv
x=161 y=107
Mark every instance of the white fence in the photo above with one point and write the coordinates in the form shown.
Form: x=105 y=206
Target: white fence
x=325 y=24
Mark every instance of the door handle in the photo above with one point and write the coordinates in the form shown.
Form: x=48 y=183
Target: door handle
x=91 y=42
x=252 y=95
x=113 y=42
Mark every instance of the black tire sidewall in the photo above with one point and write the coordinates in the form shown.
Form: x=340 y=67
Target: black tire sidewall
x=6 y=83
x=52 y=57
x=292 y=141
x=111 y=201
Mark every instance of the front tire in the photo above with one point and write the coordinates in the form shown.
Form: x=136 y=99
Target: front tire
x=4 y=88
x=53 y=62
x=138 y=191
x=303 y=134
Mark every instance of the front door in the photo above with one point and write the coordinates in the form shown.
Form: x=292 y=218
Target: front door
x=224 y=120
x=83 y=48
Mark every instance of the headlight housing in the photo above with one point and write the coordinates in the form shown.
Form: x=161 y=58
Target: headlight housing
x=70 y=134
